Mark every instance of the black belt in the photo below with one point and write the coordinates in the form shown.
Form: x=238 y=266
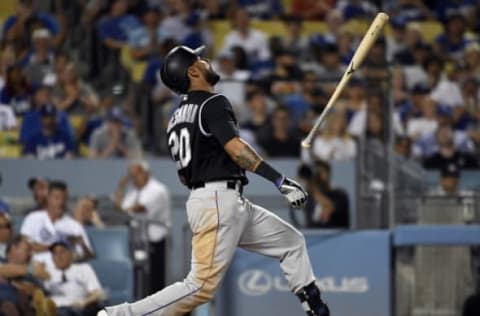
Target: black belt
x=230 y=184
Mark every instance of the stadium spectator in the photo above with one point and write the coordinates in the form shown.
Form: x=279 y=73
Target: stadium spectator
x=413 y=37
x=409 y=10
x=16 y=91
x=345 y=42
x=20 y=279
x=39 y=189
x=294 y=39
x=73 y=287
x=144 y=40
x=310 y=98
x=40 y=59
x=232 y=82
x=8 y=120
x=412 y=107
x=115 y=28
x=17 y=28
x=429 y=144
x=466 y=116
x=451 y=44
x=328 y=63
x=50 y=142
x=214 y=9
x=62 y=59
x=6 y=232
x=449 y=180
x=354 y=100
x=333 y=143
x=357 y=9
x=327 y=207
x=262 y=9
x=403 y=146
x=375 y=127
x=279 y=139
x=396 y=42
x=85 y=212
x=472 y=60
x=32 y=124
x=148 y=200
x=445 y=89
x=333 y=21
x=114 y=139
x=48 y=225
x=73 y=95
x=252 y=41
x=257 y=104
x=185 y=25
x=425 y=123
x=447 y=153
x=286 y=71
x=310 y=9
x=368 y=120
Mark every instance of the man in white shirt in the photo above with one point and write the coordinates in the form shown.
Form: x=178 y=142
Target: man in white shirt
x=73 y=287
x=44 y=227
x=254 y=42
x=148 y=200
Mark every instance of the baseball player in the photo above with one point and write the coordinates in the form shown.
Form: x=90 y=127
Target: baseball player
x=211 y=159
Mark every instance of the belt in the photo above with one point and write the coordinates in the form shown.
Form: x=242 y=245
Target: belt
x=228 y=184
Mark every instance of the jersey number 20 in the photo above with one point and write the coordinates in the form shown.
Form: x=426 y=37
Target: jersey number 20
x=180 y=147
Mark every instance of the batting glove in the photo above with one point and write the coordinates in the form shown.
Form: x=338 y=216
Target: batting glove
x=293 y=192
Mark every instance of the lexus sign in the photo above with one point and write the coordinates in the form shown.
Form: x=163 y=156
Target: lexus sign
x=256 y=282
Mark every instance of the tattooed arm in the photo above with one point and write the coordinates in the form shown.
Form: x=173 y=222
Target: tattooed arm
x=247 y=158
x=243 y=154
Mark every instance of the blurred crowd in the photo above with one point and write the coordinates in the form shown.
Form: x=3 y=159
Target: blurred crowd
x=46 y=250
x=67 y=88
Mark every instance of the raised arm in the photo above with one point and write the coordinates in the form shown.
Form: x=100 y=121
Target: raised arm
x=247 y=158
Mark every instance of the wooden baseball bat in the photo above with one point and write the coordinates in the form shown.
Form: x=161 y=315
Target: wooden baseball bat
x=367 y=42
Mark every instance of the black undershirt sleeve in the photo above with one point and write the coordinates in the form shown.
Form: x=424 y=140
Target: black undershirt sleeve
x=218 y=119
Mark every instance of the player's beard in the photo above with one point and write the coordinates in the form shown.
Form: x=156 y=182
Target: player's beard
x=211 y=76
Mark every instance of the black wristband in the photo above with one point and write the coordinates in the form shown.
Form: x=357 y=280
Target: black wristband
x=269 y=173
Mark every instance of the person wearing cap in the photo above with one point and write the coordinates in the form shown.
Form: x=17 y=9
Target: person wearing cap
x=73 y=287
x=15 y=28
x=45 y=226
x=39 y=188
x=449 y=179
x=32 y=123
x=114 y=139
x=40 y=60
x=51 y=142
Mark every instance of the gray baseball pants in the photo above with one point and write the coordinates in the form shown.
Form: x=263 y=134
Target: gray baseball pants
x=221 y=219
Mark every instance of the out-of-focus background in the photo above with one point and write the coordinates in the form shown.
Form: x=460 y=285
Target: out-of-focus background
x=393 y=175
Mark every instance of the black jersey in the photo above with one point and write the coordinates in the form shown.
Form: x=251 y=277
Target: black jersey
x=196 y=133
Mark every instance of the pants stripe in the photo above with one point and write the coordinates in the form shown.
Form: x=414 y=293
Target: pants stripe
x=210 y=266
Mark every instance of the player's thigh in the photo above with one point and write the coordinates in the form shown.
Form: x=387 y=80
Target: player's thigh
x=216 y=219
x=268 y=234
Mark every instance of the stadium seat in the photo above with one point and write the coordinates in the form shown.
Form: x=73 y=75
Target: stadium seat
x=117 y=279
x=7 y=8
x=112 y=243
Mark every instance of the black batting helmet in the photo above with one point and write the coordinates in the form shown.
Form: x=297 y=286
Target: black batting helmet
x=174 y=70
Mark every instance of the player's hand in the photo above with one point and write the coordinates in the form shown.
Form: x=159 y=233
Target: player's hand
x=293 y=192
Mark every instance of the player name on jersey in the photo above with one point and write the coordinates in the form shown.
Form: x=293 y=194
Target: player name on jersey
x=184 y=114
